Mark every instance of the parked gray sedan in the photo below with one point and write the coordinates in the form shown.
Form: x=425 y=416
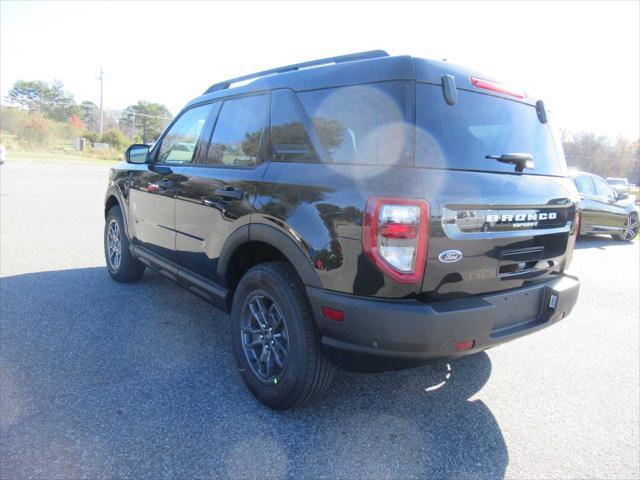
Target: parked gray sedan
x=620 y=185
x=604 y=210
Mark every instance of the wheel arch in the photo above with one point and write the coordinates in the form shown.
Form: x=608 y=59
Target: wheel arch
x=252 y=244
x=110 y=202
x=112 y=198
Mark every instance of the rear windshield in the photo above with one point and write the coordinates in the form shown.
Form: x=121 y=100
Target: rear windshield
x=460 y=136
x=616 y=181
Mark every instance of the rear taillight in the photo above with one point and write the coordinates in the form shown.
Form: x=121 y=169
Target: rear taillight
x=496 y=87
x=395 y=236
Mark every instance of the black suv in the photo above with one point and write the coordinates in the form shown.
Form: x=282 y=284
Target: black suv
x=388 y=207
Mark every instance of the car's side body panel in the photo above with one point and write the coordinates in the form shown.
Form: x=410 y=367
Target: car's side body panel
x=205 y=217
x=321 y=207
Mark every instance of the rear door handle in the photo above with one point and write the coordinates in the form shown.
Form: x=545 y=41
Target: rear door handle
x=228 y=192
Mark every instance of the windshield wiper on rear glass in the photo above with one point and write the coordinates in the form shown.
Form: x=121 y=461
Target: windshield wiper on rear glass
x=520 y=160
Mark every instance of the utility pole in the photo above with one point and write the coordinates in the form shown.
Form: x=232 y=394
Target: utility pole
x=133 y=128
x=41 y=94
x=101 y=77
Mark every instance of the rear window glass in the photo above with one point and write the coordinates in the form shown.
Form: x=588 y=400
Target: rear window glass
x=602 y=189
x=363 y=124
x=289 y=138
x=584 y=185
x=616 y=181
x=460 y=136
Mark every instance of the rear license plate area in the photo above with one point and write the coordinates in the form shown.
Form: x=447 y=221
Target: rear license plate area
x=517 y=310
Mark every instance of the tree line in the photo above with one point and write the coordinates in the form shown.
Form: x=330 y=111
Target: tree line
x=142 y=121
x=603 y=156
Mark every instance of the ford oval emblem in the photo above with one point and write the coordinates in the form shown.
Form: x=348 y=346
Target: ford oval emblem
x=450 y=256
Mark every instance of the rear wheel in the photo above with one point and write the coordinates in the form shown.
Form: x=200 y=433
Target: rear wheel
x=630 y=229
x=122 y=266
x=275 y=342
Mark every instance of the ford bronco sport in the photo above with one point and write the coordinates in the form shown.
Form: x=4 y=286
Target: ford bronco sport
x=386 y=206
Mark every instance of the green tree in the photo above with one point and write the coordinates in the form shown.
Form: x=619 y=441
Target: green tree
x=59 y=104
x=27 y=94
x=90 y=136
x=51 y=99
x=116 y=139
x=150 y=119
x=90 y=115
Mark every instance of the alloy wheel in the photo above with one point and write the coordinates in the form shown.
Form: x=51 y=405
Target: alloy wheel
x=265 y=340
x=114 y=244
x=630 y=228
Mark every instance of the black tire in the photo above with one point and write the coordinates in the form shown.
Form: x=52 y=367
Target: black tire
x=306 y=373
x=128 y=269
x=631 y=229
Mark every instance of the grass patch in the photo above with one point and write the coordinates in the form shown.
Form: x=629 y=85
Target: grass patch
x=22 y=156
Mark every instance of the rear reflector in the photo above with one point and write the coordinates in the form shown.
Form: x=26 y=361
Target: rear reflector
x=496 y=87
x=398 y=230
x=333 y=314
x=466 y=345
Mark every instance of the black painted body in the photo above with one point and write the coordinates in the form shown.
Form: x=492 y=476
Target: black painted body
x=320 y=208
x=312 y=213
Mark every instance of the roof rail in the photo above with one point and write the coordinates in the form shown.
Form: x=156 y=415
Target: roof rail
x=297 y=66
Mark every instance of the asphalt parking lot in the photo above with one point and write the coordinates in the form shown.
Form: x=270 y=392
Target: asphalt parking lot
x=102 y=380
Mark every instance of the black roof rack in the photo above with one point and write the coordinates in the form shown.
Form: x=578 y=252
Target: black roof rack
x=289 y=68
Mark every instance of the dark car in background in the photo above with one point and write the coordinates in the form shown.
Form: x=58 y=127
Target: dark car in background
x=604 y=210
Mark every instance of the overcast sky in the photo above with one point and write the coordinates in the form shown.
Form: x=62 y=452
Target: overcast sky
x=583 y=59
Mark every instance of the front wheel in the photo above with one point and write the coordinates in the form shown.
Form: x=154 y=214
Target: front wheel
x=630 y=229
x=275 y=342
x=122 y=266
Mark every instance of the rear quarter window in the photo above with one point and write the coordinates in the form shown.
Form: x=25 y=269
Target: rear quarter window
x=289 y=139
x=460 y=136
x=364 y=124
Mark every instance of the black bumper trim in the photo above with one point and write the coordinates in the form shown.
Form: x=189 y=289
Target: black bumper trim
x=414 y=330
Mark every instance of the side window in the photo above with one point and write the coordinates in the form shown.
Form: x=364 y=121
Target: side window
x=238 y=132
x=289 y=138
x=602 y=189
x=364 y=124
x=179 y=144
x=585 y=185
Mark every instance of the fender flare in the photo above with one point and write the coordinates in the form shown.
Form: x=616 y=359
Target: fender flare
x=114 y=191
x=279 y=240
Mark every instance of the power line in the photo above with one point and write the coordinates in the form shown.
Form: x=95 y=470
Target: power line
x=138 y=114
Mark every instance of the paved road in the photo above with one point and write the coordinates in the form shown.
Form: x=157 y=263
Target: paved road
x=105 y=380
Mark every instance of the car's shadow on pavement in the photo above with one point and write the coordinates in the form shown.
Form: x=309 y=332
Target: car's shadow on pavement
x=100 y=379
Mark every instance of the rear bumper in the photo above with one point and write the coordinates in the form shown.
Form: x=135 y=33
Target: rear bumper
x=414 y=330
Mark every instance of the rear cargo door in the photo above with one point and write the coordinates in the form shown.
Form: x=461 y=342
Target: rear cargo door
x=492 y=228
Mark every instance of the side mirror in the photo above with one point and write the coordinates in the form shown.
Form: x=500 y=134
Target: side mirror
x=137 y=153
